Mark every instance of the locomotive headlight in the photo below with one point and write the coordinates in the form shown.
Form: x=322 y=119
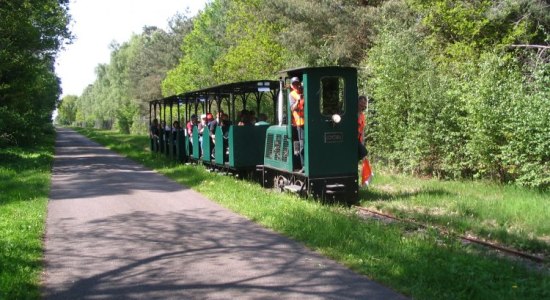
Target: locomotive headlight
x=336 y=118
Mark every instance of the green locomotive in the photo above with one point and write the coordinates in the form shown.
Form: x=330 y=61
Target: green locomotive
x=330 y=137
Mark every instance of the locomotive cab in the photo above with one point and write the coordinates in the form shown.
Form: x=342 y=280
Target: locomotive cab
x=330 y=136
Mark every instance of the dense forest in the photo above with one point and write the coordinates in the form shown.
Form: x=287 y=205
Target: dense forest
x=457 y=89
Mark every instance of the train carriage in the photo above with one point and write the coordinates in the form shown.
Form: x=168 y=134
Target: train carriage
x=240 y=149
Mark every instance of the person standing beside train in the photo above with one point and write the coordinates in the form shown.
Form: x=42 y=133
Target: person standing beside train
x=361 y=106
x=366 y=170
x=296 y=98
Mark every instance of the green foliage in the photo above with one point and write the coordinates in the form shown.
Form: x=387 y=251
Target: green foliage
x=125 y=118
x=526 y=154
x=201 y=47
x=66 y=110
x=236 y=43
x=31 y=33
x=23 y=129
x=25 y=183
x=95 y=107
x=414 y=122
x=123 y=88
x=9 y=122
x=455 y=21
x=324 y=32
x=452 y=101
x=254 y=52
x=153 y=53
x=487 y=97
x=464 y=27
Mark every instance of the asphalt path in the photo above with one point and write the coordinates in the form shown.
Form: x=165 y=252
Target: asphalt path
x=117 y=230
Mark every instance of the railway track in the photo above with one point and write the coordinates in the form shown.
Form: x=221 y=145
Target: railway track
x=466 y=239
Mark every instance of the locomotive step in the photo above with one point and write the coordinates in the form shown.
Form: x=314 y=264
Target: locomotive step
x=293 y=188
x=335 y=186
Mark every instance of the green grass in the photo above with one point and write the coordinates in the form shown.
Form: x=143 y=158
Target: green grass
x=421 y=264
x=24 y=187
x=511 y=215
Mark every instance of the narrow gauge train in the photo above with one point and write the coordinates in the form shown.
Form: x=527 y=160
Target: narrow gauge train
x=270 y=153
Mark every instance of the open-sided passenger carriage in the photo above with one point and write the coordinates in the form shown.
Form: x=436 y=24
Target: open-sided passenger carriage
x=241 y=148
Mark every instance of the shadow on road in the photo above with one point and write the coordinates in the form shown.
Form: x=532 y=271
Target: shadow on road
x=136 y=234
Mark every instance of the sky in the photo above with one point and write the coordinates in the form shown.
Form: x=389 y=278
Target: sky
x=96 y=23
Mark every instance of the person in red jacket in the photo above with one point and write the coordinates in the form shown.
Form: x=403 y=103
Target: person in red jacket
x=361 y=122
x=366 y=172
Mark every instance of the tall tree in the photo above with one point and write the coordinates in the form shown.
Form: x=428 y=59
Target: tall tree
x=155 y=51
x=201 y=48
x=118 y=98
x=66 y=110
x=31 y=33
x=254 y=50
x=325 y=32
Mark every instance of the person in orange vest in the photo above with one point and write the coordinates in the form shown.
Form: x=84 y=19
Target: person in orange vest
x=366 y=172
x=296 y=100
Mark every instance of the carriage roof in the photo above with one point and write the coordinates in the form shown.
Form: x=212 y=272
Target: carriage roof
x=222 y=90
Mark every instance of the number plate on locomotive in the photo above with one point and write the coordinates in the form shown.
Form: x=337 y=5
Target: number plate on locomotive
x=334 y=137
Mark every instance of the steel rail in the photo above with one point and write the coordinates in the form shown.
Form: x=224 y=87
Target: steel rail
x=469 y=239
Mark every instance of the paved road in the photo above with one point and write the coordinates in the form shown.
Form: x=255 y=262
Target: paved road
x=116 y=230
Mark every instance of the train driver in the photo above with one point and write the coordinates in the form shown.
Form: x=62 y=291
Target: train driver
x=296 y=100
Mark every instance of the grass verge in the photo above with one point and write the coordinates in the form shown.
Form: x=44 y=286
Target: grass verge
x=421 y=264
x=24 y=187
x=511 y=215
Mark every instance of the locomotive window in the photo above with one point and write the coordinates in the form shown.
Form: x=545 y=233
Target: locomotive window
x=332 y=96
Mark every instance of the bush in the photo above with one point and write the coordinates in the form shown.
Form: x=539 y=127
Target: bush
x=8 y=129
x=22 y=129
x=482 y=115
x=416 y=117
x=527 y=151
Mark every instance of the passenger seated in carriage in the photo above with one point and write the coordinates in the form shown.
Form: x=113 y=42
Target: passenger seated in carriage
x=189 y=131
x=154 y=133
x=211 y=124
x=244 y=118
x=225 y=123
x=262 y=120
x=201 y=126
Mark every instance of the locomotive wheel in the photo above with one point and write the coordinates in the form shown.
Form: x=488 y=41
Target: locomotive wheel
x=280 y=182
